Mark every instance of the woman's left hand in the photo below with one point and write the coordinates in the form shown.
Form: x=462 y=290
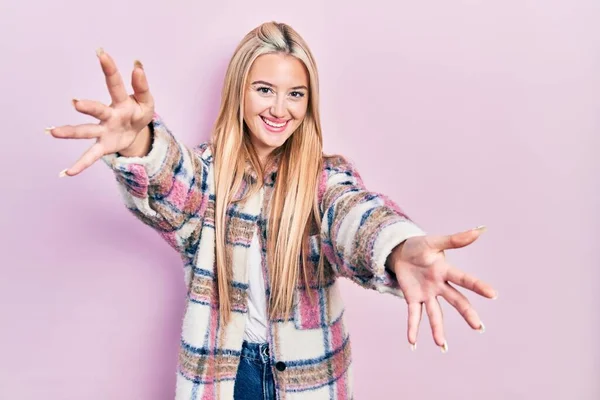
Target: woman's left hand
x=424 y=274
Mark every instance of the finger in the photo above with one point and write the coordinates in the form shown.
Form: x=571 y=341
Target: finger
x=415 y=310
x=92 y=108
x=83 y=131
x=460 y=302
x=92 y=155
x=434 y=313
x=139 y=82
x=457 y=240
x=469 y=282
x=114 y=82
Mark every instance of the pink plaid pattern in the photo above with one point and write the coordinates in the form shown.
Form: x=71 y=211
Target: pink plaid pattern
x=172 y=190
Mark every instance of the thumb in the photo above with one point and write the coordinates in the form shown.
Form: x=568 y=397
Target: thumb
x=457 y=240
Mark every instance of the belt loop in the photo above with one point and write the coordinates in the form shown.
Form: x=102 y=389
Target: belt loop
x=264 y=351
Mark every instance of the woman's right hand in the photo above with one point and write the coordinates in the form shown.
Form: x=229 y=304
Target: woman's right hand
x=123 y=125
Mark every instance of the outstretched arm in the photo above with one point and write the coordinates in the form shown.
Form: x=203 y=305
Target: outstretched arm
x=162 y=181
x=360 y=228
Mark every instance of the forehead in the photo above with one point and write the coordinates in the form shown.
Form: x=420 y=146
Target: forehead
x=282 y=70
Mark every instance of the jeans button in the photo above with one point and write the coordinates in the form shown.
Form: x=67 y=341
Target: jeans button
x=280 y=365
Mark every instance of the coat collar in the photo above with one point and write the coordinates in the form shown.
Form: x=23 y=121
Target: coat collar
x=270 y=173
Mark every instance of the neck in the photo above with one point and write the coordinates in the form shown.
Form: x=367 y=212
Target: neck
x=264 y=155
x=263 y=158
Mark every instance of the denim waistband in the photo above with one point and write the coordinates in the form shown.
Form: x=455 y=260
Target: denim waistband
x=256 y=351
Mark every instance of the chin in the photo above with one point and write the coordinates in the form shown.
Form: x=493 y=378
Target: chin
x=274 y=142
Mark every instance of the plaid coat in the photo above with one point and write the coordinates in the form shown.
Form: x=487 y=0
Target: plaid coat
x=172 y=190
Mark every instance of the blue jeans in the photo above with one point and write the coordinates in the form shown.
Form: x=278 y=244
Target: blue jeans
x=254 y=379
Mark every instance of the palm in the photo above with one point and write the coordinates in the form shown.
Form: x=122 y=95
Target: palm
x=424 y=274
x=119 y=123
x=124 y=121
x=418 y=277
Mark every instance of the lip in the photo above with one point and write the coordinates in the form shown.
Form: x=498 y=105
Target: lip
x=276 y=121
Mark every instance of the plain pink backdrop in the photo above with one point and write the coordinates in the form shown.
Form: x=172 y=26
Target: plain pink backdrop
x=464 y=112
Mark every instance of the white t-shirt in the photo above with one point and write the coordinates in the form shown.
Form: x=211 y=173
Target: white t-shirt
x=256 y=318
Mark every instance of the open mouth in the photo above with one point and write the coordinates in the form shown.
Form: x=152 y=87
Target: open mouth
x=274 y=126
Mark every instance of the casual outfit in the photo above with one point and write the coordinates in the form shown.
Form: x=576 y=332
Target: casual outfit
x=304 y=357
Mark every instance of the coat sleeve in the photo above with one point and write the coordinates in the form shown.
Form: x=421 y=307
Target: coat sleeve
x=359 y=228
x=167 y=189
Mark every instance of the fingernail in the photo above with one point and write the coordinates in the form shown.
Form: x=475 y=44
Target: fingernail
x=99 y=51
x=74 y=101
x=495 y=296
x=481 y=228
x=444 y=347
x=48 y=130
x=138 y=64
x=63 y=173
x=481 y=328
x=413 y=346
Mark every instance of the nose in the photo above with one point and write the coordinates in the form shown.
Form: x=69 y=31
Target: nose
x=278 y=107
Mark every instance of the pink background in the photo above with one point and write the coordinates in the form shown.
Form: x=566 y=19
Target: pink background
x=464 y=112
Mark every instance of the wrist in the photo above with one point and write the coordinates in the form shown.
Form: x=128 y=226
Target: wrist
x=394 y=255
x=142 y=144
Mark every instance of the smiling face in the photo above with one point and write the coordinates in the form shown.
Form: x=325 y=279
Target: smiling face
x=275 y=100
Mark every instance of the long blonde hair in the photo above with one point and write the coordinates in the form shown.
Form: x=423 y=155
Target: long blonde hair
x=294 y=205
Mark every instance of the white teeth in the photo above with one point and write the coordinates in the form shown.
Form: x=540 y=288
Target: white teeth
x=273 y=124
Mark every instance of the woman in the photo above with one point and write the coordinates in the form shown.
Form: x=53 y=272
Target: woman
x=265 y=224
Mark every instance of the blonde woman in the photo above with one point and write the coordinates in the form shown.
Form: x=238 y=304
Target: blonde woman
x=265 y=224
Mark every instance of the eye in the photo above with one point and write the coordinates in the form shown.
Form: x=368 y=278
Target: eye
x=298 y=95
x=263 y=90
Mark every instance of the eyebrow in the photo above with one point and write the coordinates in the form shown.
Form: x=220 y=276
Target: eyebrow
x=271 y=85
